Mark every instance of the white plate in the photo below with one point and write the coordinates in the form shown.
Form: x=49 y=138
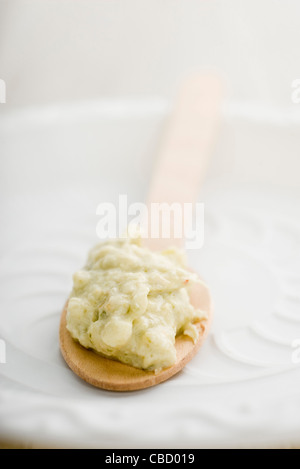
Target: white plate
x=242 y=387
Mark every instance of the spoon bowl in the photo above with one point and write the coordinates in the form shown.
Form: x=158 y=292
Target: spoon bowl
x=112 y=375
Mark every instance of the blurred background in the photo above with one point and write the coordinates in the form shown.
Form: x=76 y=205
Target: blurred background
x=107 y=62
x=61 y=51
x=89 y=87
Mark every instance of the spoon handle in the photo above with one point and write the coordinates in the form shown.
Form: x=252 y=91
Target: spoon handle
x=184 y=155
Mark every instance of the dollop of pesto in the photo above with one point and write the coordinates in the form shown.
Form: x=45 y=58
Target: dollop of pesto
x=129 y=303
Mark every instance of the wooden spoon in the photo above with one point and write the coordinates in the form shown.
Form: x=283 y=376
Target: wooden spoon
x=180 y=167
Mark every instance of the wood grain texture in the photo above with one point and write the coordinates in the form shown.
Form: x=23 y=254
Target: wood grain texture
x=112 y=375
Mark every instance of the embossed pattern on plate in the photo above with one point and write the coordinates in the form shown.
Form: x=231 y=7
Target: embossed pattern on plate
x=243 y=382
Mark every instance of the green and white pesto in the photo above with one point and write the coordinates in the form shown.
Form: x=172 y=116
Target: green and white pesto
x=129 y=303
